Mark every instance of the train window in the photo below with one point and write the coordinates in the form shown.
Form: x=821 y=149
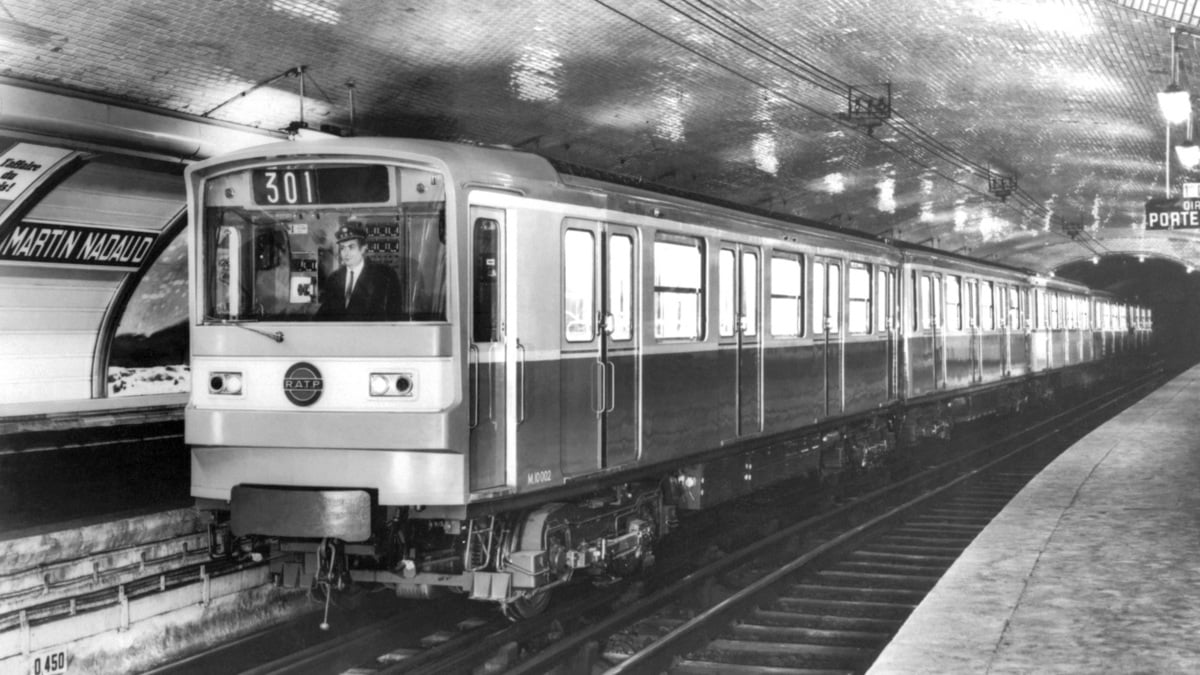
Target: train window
x=487 y=290
x=953 y=303
x=987 y=313
x=833 y=306
x=971 y=296
x=925 y=306
x=1014 y=309
x=826 y=297
x=858 y=296
x=883 y=292
x=620 y=287
x=678 y=287
x=1054 y=315
x=749 y=293
x=579 y=286
x=930 y=301
x=787 y=301
x=725 y=272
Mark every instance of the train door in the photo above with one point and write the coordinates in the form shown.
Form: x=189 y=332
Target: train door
x=738 y=333
x=976 y=312
x=827 y=329
x=749 y=359
x=601 y=381
x=888 y=324
x=620 y=423
x=487 y=365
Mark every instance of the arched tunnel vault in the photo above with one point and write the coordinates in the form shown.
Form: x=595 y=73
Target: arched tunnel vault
x=1017 y=131
x=91 y=264
x=975 y=127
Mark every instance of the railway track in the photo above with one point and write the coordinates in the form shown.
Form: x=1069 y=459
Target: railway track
x=854 y=574
x=834 y=607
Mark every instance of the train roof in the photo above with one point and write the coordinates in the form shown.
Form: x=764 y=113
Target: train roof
x=509 y=168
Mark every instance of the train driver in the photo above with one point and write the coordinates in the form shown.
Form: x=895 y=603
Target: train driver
x=360 y=290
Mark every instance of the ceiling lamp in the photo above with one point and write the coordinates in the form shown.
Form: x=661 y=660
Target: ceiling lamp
x=1188 y=154
x=1175 y=101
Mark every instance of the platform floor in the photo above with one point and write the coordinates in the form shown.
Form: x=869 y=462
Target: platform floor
x=1093 y=568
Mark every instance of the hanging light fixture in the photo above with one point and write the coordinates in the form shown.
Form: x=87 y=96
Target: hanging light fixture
x=1175 y=101
x=1188 y=152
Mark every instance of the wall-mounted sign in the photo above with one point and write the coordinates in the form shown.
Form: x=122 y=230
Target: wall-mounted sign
x=24 y=163
x=1172 y=214
x=76 y=245
x=1191 y=190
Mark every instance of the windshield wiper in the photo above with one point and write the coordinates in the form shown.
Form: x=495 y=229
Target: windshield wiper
x=276 y=336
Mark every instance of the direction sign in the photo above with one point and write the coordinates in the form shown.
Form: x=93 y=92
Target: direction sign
x=1172 y=214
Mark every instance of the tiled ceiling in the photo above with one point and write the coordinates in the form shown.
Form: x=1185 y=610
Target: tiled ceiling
x=738 y=99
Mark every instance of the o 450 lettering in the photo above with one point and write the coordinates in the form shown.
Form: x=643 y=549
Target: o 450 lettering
x=53 y=663
x=535 y=477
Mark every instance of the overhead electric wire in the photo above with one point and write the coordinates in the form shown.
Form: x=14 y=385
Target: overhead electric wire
x=809 y=73
x=830 y=82
x=782 y=95
x=918 y=137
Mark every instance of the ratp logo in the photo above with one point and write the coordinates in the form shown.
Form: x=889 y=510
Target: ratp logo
x=302 y=384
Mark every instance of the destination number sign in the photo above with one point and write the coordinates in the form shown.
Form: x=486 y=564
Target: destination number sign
x=314 y=186
x=1172 y=214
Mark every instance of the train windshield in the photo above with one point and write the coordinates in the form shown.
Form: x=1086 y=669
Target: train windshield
x=324 y=242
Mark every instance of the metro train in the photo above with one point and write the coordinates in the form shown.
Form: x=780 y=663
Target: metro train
x=566 y=361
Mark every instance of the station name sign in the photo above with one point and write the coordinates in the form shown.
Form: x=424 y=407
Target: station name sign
x=76 y=245
x=1172 y=214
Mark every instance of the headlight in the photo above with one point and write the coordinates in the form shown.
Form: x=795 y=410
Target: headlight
x=393 y=384
x=229 y=384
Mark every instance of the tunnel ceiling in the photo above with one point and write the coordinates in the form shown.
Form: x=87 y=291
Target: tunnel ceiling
x=747 y=100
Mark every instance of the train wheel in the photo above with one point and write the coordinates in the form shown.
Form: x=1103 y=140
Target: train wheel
x=527 y=606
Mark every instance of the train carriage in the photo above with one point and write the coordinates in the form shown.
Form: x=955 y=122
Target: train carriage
x=963 y=321
x=552 y=363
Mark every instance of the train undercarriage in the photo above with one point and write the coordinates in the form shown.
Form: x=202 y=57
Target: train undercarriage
x=516 y=557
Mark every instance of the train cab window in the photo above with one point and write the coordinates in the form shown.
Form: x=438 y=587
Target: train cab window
x=953 y=303
x=987 y=313
x=787 y=301
x=678 y=287
x=725 y=288
x=579 y=286
x=858 y=296
x=279 y=244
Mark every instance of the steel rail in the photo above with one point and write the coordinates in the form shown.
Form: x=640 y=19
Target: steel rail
x=661 y=652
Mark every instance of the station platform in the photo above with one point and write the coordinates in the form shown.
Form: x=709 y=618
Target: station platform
x=1093 y=568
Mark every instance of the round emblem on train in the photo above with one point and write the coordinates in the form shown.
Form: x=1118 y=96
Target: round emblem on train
x=302 y=384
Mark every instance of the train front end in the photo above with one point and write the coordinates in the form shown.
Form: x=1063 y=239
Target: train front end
x=327 y=378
